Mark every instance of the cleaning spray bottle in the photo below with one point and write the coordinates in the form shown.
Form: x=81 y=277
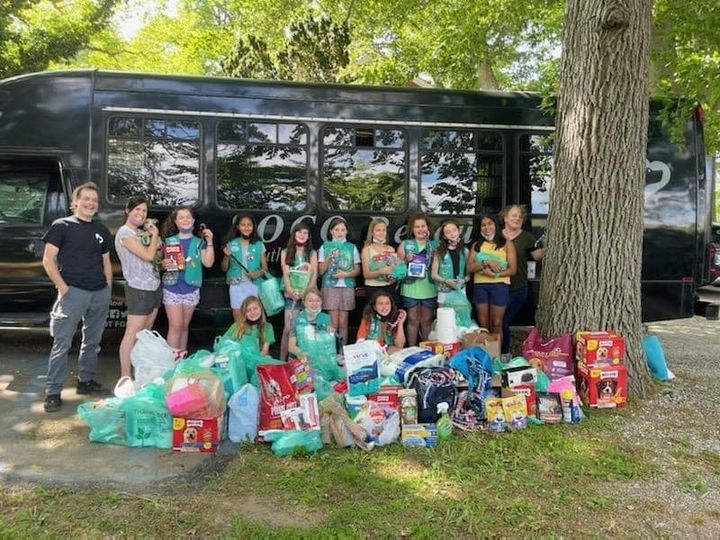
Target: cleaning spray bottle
x=444 y=424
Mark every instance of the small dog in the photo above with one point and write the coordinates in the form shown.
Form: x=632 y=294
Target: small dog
x=190 y=435
x=606 y=390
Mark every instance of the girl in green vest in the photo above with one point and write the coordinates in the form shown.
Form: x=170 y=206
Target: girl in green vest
x=184 y=255
x=244 y=262
x=299 y=265
x=313 y=316
x=339 y=263
x=418 y=291
x=252 y=327
x=449 y=263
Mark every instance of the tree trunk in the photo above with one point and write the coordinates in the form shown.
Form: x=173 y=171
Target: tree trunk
x=591 y=270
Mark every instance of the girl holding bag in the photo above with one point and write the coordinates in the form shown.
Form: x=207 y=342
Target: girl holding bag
x=244 y=262
x=449 y=263
x=299 y=267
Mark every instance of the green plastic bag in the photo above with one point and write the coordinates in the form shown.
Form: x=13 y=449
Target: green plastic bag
x=457 y=300
x=285 y=443
x=201 y=360
x=321 y=347
x=236 y=364
x=147 y=421
x=271 y=295
x=323 y=388
x=105 y=419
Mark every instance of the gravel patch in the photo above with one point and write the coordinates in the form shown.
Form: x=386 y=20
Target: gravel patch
x=678 y=430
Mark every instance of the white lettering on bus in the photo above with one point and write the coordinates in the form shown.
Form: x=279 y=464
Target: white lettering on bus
x=279 y=225
x=309 y=217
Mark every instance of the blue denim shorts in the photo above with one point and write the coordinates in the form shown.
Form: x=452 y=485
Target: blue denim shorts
x=409 y=303
x=495 y=294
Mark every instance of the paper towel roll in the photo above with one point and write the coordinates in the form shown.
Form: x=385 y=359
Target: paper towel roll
x=446 y=326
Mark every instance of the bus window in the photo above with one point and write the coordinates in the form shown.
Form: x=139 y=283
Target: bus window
x=155 y=157
x=261 y=165
x=461 y=172
x=536 y=159
x=22 y=198
x=364 y=169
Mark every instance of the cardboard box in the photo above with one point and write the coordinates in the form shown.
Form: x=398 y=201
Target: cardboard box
x=387 y=398
x=599 y=349
x=419 y=435
x=528 y=392
x=448 y=349
x=197 y=434
x=174 y=254
x=603 y=386
x=490 y=343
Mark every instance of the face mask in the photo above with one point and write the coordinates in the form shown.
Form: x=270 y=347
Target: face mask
x=185 y=230
x=381 y=318
x=488 y=237
x=253 y=323
x=312 y=311
x=377 y=240
x=452 y=244
x=136 y=221
x=245 y=236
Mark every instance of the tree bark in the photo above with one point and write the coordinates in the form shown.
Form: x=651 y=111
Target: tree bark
x=591 y=270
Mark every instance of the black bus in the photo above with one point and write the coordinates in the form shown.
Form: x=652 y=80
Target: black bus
x=287 y=152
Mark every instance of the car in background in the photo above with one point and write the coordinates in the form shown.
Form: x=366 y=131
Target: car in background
x=713 y=260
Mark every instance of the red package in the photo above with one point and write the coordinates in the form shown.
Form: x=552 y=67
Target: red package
x=277 y=394
x=554 y=356
x=174 y=252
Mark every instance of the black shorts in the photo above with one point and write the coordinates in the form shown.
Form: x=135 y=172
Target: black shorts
x=141 y=302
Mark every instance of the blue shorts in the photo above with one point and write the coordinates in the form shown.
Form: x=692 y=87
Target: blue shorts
x=495 y=294
x=409 y=303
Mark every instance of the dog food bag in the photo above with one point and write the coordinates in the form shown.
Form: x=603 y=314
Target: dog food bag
x=515 y=411
x=554 y=356
x=495 y=415
x=277 y=394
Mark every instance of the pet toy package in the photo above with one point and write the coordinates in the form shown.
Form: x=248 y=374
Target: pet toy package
x=603 y=387
x=197 y=434
x=599 y=349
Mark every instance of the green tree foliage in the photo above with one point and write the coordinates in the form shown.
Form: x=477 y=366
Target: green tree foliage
x=315 y=49
x=686 y=57
x=36 y=33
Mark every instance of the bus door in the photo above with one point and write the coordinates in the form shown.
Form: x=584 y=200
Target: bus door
x=31 y=198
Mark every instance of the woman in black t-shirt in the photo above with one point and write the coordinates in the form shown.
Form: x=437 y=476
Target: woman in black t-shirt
x=526 y=250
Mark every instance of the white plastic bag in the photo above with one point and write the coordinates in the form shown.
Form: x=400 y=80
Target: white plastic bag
x=243 y=421
x=151 y=356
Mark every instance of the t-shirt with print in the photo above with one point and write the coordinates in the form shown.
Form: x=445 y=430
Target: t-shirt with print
x=181 y=286
x=138 y=273
x=81 y=246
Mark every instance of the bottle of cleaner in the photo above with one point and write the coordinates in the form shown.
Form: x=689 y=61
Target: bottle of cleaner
x=444 y=424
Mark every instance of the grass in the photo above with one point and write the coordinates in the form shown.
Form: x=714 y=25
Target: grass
x=533 y=482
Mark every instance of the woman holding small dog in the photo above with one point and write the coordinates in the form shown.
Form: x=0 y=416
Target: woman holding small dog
x=137 y=243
